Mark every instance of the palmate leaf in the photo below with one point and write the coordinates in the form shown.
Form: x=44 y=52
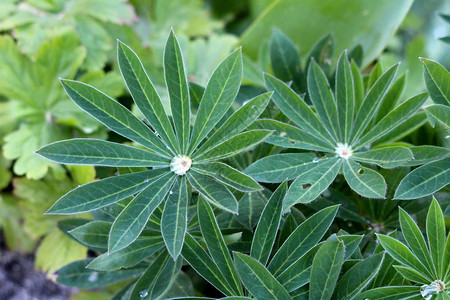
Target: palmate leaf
x=100 y=153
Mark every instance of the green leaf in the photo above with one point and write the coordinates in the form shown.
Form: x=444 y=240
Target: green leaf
x=295 y=108
x=387 y=157
x=325 y=269
x=415 y=239
x=358 y=277
x=250 y=207
x=436 y=236
x=144 y=94
x=426 y=154
x=131 y=221
x=440 y=113
x=310 y=184
x=402 y=254
x=229 y=176
x=437 y=79
x=177 y=85
x=391 y=98
x=345 y=97
x=104 y=192
x=391 y=121
x=365 y=181
x=284 y=57
x=358 y=86
x=269 y=221
x=157 y=279
x=258 y=280
x=235 y=145
x=200 y=261
x=93 y=234
x=411 y=274
x=128 y=257
x=322 y=52
x=100 y=153
x=424 y=180
x=302 y=239
x=371 y=103
x=280 y=167
x=174 y=217
x=216 y=245
x=390 y=293
x=322 y=98
x=298 y=273
x=237 y=122
x=76 y=274
x=213 y=191
x=113 y=115
x=289 y=136
x=219 y=94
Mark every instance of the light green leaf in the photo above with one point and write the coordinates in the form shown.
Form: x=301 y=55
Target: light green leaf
x=128 y=257
x=235 y=145
x=289 y=136
x=440 y=113
x=415 y=239
x=310 y=184
x=305 y=237
x=386 y=157
x=358 y=277
x=437 y=79
x=371 y=103
x=325 y=269
x=100 y=153
x=104 y=192
x=144 y=94
x=390 y=293
x=436 y=236
x=403 y=255
x=213 y=191
x=258 y=280
x=295 y=108
x=229 y=176
x=284 y=58
x=219 y=94
x=174 y=217
x=216 y=245
x=131 y=221
x=237 y=122
x=200 y=261
x=323 y=100
x=411 y=274
x=157 y=279
x=424 y=180
x=279 y=167
x=113 y=115
x=391 y=121
x=345 y=97
x=365 y=181
x=177 y=85
x=426 y=154
x=269 y=221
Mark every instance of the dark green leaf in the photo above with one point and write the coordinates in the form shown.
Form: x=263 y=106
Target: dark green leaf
x=438 y=113
x=437 y=79
x=219 y=94
x=436 y=237
x=325 y=269
x=257 y=279
x=174 y=217
x=266 y=232
x=113 y=115
x=144 y=94
x=424 y=180
x=345 y=97
x=411 y=274
x=131 y=221
x=387 y=157
x=104 y=192
x=177 y=86
x=365 y=181
x=391 y=98
x=390 y=293
x=100 y=153
x=426 y=154
x=358 y=85
x=93 y=234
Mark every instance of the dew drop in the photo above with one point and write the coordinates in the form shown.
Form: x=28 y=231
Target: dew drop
x=170 y=193
x=146 y=180
x=143 y=293
x=315 y=160
x=282 y=134
x=326 y=193
x=93 y=277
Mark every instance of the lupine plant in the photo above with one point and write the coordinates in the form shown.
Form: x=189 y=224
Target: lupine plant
x=188 y=199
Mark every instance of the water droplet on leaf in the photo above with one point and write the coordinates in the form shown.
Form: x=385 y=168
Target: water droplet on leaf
x=93 y=277
x=315 y=160
x=143 y=293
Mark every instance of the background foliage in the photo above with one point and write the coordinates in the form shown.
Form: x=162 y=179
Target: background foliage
x=43 y=40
